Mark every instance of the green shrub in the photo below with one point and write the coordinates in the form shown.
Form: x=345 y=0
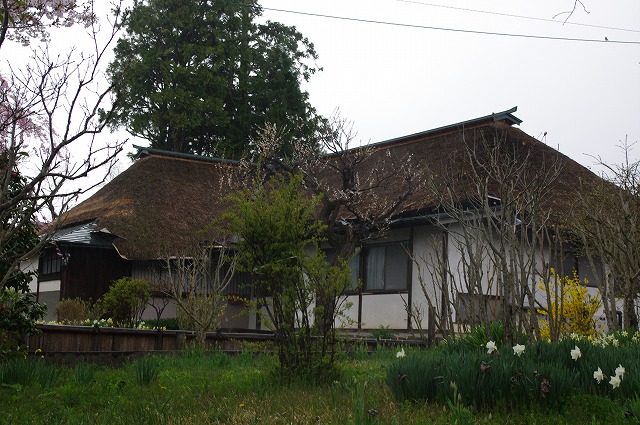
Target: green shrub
x=382 y=333
x=169 y=323
x=72 y=311
x=125 y=301
x=19 y=313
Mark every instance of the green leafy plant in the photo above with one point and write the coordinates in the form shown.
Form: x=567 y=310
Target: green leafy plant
x=458 y=413
x=125 y=301
x=362 y=415
x=146 y=370
x=478 y=338
x=415 y=377
x=164 y=323
x=382 y=333
x=300 y=293
x=48 y=375
x=18 y=371
x=85 y=373
x=19 y=313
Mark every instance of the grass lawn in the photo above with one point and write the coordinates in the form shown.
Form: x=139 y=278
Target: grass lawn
x=211 y=387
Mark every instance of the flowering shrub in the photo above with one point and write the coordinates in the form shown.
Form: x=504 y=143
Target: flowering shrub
x=571 y=310
x=19 y=313
x=106 y=323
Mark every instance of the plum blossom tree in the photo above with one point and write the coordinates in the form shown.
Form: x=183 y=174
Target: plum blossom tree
x=48 y=118
x=23 y=20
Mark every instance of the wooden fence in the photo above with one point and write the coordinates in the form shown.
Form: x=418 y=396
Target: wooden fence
x=62 y=342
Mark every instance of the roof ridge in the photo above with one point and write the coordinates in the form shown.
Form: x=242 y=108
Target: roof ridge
x=143 y=151
x=492 y=118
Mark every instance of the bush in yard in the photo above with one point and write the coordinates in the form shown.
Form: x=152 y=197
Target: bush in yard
x=19 y=313
x=125 y=301
x=72 y=311
x=571 y=309
x=279 y=244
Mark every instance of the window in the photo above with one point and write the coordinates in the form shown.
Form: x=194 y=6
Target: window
x=569 y=263
x=50 y=264
x=381 y=268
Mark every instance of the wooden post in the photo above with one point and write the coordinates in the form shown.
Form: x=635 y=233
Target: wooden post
x=181 y=340
x=431 y=327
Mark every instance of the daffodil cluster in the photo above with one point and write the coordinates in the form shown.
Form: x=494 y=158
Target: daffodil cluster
x=615 y=380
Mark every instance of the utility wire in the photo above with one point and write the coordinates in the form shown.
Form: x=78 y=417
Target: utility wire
x=517 y=16
x=396 y=24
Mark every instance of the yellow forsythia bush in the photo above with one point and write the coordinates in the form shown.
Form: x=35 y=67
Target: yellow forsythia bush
x=572 y=308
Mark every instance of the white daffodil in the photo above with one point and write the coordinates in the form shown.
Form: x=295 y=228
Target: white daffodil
x=575 y=353
x=518 y=349
x=615 y=381
x=620 y=371
x=400 y=354
x=491 y=347
x=598 y=375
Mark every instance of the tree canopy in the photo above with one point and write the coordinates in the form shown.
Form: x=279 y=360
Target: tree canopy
x=203 y=76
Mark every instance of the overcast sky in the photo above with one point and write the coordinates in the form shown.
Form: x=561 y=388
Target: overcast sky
x=397 y=67
x=391 y=73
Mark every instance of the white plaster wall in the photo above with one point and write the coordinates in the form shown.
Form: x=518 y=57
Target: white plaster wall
x=50 y=286
x=31 y=266
x=49 y=294
x=422 y=285
x=386 y=310
x=350 y=319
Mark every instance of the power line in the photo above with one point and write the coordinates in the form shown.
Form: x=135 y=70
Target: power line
x=396 y=24
x=517 y=16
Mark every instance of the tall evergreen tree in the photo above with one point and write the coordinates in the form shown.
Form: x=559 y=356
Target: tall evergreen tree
x=202 y=76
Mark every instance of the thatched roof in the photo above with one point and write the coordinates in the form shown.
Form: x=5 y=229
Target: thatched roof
x=438 y=159
x=164 y=200
x=161 y=204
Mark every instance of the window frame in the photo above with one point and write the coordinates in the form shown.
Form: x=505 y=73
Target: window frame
x=49 y=265
x=362 y=273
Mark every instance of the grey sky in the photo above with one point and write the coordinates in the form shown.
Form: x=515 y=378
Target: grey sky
x=392 y=76
x=393 y=80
